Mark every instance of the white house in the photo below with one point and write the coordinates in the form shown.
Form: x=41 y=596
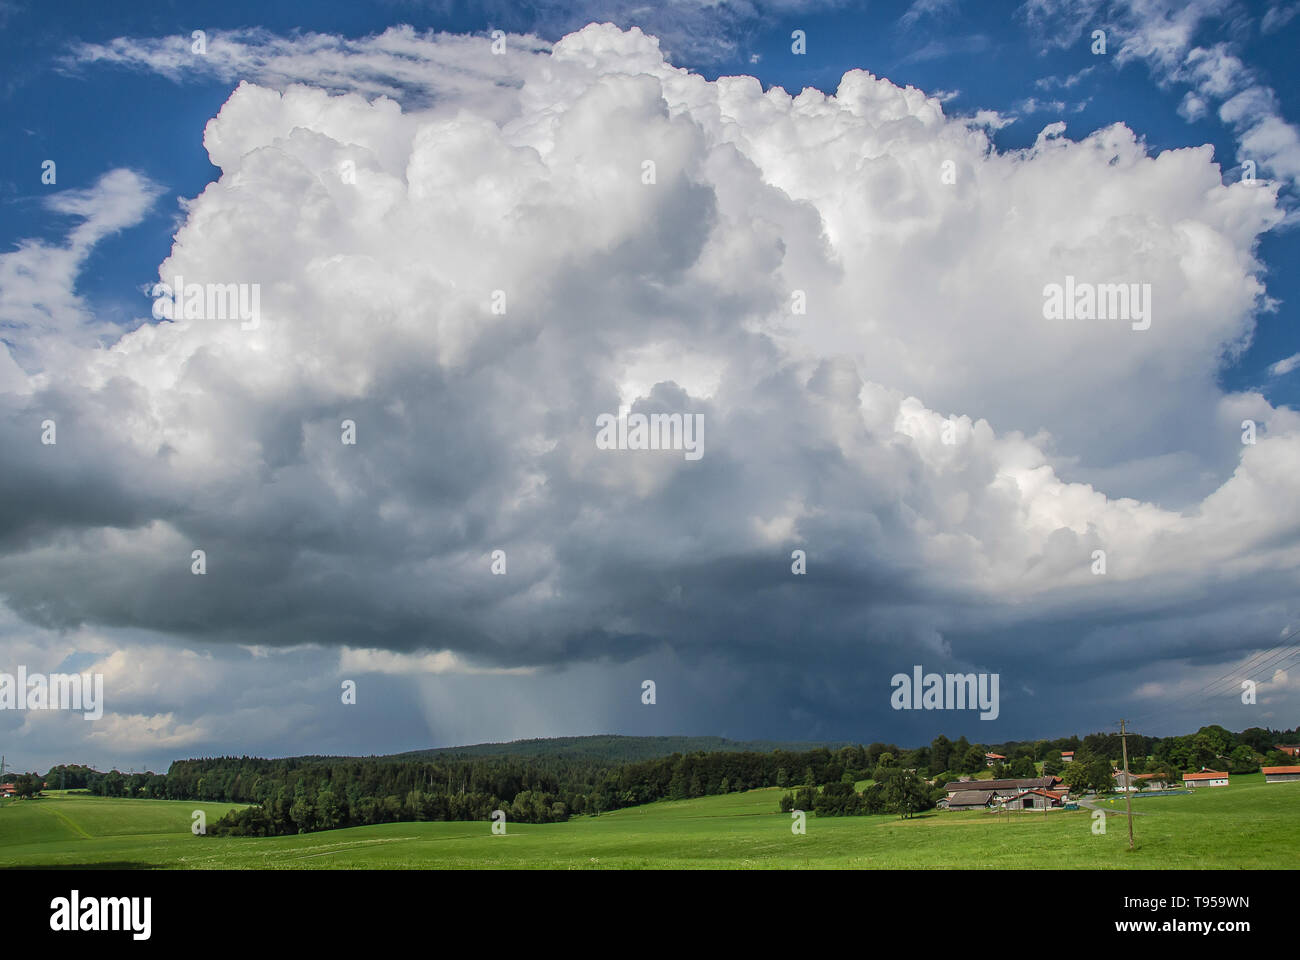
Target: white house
x=1205 y=778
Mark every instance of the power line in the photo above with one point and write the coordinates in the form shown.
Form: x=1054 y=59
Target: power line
x=1268 y=664
x=1252 y=664
x=1258 y=674
x=1249 y=664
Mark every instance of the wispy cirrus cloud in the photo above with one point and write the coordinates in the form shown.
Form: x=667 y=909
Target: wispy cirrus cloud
x=1284 y=366
x=1172 y=38
x=971 y=45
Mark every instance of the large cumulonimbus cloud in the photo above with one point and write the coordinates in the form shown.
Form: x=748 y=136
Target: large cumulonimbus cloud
x=587 y=228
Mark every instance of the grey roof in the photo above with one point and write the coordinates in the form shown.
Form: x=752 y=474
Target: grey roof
x=974 y=798
x=1028 y=783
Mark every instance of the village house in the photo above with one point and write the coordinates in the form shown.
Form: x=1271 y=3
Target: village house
x=1035 y=800
x=992 y=758
x=1292 y=749
x=1205 y=778
x=7 y=790
x=1129 y=784
x=1282 y=774
x=1067 y=756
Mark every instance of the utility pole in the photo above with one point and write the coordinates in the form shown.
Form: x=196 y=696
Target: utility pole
x=1128 y=793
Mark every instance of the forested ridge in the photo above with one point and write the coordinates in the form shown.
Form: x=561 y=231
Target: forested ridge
x=615 y=748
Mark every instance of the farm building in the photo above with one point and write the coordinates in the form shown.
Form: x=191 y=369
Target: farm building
x=7 y=790
x=1205 y=778
x=1067 y=756
x=970 y=800
x=992 y=758
x=1293 y=749
x=1001 y=790
x=1035 y=800
x=1129 y=784
x=1282 y=774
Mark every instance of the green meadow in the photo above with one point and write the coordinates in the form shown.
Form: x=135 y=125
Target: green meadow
x=1247 y=825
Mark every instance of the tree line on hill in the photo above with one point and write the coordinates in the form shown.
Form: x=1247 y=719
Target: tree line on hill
x=27 y=785
x=1212 y=747
x=306 y=794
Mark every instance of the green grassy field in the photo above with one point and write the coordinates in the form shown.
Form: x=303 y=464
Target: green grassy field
x=1247 y=825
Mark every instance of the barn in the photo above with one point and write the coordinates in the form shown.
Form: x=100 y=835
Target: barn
x=1282 y=774
x=971 y=800
x=1035 y=800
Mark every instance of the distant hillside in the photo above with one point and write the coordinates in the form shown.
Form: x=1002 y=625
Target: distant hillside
x=613 y=749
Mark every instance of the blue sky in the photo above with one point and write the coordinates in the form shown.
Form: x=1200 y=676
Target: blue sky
x=1122 y=444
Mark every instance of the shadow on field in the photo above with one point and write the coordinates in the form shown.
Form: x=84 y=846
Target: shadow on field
x=110 y=865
